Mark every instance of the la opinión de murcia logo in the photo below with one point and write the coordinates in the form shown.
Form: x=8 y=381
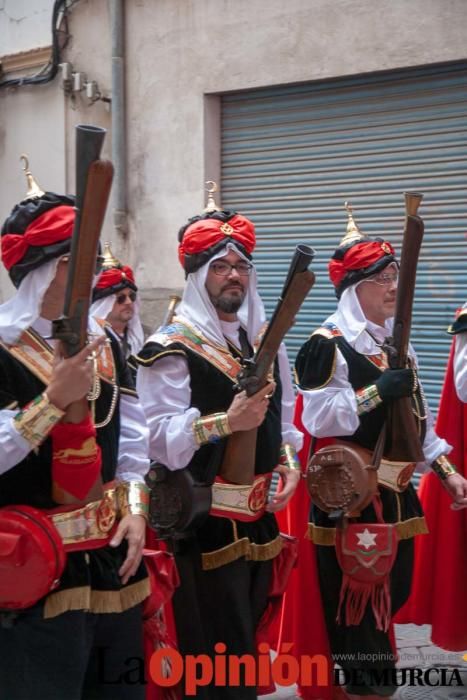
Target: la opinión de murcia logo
x=168 y=668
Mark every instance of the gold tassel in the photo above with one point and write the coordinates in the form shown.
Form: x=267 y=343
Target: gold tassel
x=321 y=535
x=69 y=599
x=84 y=598
x=412 y=527
x=241 y=548
x=119 y=601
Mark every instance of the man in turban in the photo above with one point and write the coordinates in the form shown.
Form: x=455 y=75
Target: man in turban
x=69 y=637
x=115 y=300
x=187 y=384
x=346 y=386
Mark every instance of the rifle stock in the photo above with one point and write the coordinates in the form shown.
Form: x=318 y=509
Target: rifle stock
x=403 y=438
x=238 y=465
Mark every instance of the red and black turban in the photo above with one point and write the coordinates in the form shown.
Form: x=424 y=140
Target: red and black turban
x=205 y=236
x=358 y=261
x=36 y=231
x=113 y=280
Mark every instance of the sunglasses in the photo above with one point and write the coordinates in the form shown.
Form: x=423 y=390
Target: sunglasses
x=121 y=298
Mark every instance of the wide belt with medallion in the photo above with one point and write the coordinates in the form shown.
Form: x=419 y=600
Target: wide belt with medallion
x=34 y=542
x=90 y=526
x=395 y=475
x=245 y=502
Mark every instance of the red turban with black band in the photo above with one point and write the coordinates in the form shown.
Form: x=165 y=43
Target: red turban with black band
x=113 y=280
x=36 y=231
x=359 y=260
x=205 y=236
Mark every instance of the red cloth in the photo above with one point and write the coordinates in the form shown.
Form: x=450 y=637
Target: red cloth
x=358 y=257
x=159 y=624
x=114 y=276
x=438 y=590
x=302 y=622
x=51 y=227
x=282 y=567
x=76 y=457
x=205 y=233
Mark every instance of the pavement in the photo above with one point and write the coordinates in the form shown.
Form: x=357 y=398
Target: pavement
x=415 y=651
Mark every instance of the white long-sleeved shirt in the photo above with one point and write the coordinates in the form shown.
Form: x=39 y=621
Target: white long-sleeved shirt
x=332 y=410
x=460 y=366
x=133 y=462
x=165 y=393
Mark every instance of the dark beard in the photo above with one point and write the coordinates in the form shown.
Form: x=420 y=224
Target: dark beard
x=229 y=305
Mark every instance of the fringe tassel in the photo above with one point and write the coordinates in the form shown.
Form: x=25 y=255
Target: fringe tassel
x=381 y=605
x=241 y=548
x=84 y=598
x=355 y=596
x=69 y=599
x=119 y=601
x=155 y=629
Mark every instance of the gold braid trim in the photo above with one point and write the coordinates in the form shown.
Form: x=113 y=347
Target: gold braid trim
x=119 y=601
x=85 y=598
x=241 y=548
x=321 y=535
x=405 y=529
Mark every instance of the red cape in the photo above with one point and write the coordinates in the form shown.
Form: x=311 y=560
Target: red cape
x=438 y=590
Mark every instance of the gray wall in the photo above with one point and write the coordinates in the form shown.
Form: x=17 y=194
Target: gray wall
x=180 y=55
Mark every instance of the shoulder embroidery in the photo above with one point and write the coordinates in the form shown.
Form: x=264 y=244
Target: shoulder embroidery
x=36 y=355
x=327 y=330
x=191 y=338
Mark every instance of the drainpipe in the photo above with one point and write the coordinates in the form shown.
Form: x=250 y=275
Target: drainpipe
x=120 y=213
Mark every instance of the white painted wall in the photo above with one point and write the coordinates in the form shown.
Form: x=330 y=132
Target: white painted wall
x=32 y=121
x=24 y=24
x=179 y=51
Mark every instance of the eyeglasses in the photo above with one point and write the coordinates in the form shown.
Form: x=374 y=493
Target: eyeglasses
x=223 y=269
x=121 y=298
x=385 y=279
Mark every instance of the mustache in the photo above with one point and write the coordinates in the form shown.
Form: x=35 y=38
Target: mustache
x=233 y=285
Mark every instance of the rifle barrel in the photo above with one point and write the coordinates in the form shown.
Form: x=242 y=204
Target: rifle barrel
x=89 y=140
x=412 y=202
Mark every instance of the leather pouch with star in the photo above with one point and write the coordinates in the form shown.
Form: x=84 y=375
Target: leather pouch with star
x=366 y=553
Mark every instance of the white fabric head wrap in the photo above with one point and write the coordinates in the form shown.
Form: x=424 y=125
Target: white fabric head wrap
x=20 y=312
x=197 y=308
x=351 y=320
x=135 y=334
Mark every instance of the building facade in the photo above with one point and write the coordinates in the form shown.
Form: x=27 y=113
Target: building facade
x=293 y=108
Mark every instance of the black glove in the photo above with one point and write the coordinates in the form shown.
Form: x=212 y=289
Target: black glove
x=396 y=383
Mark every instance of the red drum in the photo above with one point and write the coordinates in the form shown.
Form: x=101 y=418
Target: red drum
x=32 y=556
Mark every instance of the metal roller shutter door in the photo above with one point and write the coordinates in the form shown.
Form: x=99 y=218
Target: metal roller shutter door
x=292 y=155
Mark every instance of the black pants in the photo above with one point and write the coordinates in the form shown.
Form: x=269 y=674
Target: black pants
x=363 y=648
x=74 y=656
x=222 y=605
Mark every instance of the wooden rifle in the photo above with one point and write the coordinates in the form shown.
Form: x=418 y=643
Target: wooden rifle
x=403 y=438
x=93 y=184
x=238 y=465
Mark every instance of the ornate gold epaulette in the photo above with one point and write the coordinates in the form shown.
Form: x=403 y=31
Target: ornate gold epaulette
x=328 y=332
x=189 y=337
x=174 y=333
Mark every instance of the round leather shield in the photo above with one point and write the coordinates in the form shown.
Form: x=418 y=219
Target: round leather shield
x=340 y=477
